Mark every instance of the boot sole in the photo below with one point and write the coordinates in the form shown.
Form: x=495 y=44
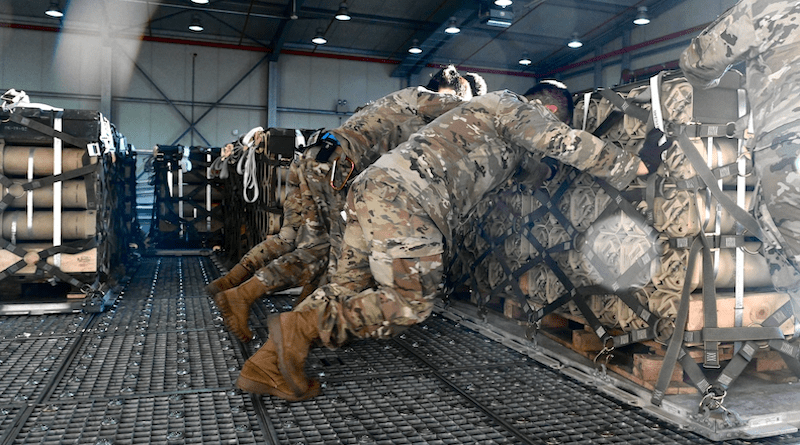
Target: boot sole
x=255 y=387
x=227 y=317
x=274 y=327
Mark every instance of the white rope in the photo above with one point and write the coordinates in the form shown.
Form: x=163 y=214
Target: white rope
x=247 y=166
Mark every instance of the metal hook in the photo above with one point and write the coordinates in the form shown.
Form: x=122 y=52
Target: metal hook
x=606 y=351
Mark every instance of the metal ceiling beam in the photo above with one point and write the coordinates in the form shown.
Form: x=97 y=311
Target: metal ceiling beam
x=610 y=7
x=431 y=41
x=210 y=9
x=279 y=38
x=608 y=33
x=318 y=13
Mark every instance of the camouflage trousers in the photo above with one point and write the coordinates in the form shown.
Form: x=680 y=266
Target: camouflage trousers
x=265 y=251
x=390 y=268
x=281 y=264
x=329 y=201
x=779 y=213
x=296 y=268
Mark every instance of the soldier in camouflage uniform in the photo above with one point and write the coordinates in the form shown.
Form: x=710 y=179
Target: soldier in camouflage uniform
x=765 y=35
x=402 y=211
x=325 y=170
x=274 y=245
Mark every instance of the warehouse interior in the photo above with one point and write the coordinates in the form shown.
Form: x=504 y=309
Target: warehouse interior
x=115 y=119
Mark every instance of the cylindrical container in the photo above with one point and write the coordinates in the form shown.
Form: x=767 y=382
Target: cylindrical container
x=73 y=196
x=74 y=225
x=14 y=160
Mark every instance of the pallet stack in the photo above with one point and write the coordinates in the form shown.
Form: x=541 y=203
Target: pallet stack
x=187 y=209
x=638 y=267
x=255 y=214
x=64 y=174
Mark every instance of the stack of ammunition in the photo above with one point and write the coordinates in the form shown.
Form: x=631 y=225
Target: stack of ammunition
x=187 y=210
x=68 y=203
x=576 y=236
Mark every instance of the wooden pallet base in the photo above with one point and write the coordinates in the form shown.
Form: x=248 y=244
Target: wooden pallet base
x=641 y=363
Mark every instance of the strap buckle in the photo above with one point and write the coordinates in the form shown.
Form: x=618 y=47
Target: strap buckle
x=347 y=178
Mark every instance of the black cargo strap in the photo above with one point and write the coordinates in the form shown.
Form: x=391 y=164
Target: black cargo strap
x=697 y=183
x=675 y=344
x=745 y=355
x=66 y=278
x=713 y=242
x=610 y=121
x=733 y=334
x=650 y=197
x=496 y=245
x=49 y=131
x=711 y=347
x=740 y=215
x=16 y=250
x=642 y=264
x=41 y=265
x=70 y=248
x=692 y=370
x=695 y=130
x=47 y=181
x=625 y=106
x=630 y=300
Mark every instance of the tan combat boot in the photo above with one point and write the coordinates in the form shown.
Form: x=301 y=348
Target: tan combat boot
x=233 y=278
x=293 y=332
x=260 y=375
x=235 y=306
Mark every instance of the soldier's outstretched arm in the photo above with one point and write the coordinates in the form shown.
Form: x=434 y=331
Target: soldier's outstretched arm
x=431 y=105
x=723 y=43
x=536 y=129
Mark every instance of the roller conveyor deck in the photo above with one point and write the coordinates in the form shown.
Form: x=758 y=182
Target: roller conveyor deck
x=159 y=367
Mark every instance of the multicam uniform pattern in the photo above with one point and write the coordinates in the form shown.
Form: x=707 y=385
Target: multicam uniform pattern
x=261 y=256
x=764 y=34
x=370 y=132
x=403 y=210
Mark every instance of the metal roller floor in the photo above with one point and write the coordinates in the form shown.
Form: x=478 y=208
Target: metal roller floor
x=159 y=367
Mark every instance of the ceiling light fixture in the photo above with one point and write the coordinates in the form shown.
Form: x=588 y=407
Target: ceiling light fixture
x=196 y=26
x=642 y=18
x=319 y=39
x=415 y=49
x=200 y=2
x=525 y=60
x=503 y=3
x=575 y=43
x=452 y=28
x=54 y=10
x=342 y=13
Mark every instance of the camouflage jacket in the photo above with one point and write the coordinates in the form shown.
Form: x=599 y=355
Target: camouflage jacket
x=383 y=124
x=764 y=33
x=453 y=162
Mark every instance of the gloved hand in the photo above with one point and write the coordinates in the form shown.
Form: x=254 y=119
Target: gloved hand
x=651 y=151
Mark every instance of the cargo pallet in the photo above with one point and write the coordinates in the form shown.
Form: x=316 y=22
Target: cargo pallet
x=69 y=227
